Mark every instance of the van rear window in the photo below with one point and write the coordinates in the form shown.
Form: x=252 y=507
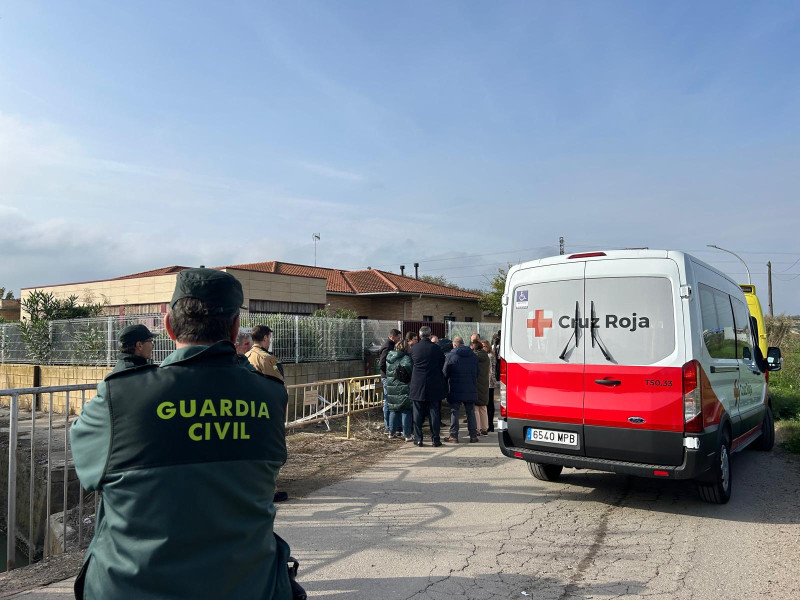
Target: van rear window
x=634 y=318
x=634 y=321
x=541 y=327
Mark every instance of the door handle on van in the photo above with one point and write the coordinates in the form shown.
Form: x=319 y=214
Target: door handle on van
x=609 y=382
x=715 y=369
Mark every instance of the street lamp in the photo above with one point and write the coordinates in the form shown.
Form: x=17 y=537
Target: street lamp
x=737 y=256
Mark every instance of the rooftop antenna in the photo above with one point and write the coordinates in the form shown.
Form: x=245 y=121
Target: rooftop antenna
x=315 y=237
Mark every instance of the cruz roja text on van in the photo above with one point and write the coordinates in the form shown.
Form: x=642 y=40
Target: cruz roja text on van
x=632 y=323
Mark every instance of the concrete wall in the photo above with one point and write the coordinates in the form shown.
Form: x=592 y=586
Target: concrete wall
x=407 y=307
x=10 y=310
x=280 y=288
x=15 y=376
x=115 y=292
x=361 y=305
x=152 y=294
x=21 y=376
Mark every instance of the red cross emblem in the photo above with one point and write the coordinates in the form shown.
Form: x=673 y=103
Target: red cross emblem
x=539 y=323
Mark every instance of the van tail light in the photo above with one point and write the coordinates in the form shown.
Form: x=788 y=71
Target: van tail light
x=692 y=398
x=503 y=387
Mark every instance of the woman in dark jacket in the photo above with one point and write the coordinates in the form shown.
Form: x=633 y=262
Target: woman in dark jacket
x=397 y=396
x=484 y=365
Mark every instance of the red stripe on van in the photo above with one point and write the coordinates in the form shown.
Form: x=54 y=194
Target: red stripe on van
x=645 y=398
x=744 y=437
x=544 y=392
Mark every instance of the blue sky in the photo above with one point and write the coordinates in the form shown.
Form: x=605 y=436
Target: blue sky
x=146 y=134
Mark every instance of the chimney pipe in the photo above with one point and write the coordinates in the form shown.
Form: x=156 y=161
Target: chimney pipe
x=416 y=270
x=402 y=269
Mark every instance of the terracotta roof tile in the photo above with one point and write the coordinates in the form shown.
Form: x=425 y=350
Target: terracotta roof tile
x=415 y=286
x=154 y=272
x=335 y=278
x=369 y=281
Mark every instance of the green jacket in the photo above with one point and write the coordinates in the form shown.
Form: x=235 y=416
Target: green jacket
x=396 y=391
x=128 y=361
x=484 y=365
x=186 y=456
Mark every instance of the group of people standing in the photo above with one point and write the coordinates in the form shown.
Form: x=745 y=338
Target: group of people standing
x=421 y=371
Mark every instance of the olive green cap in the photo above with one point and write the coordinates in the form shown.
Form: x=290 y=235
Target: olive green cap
x=221 y=291
x=134 y=333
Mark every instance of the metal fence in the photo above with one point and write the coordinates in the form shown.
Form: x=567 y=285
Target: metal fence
x=308 y=404
x=295 y=339
x=43 y=471
x=322 y=401
x=485 y=330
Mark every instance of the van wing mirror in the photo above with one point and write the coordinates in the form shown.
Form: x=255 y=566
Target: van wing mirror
x=774 y=359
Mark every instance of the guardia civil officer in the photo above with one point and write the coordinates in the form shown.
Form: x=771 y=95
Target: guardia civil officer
x=135 y=347
x=259 y=356
x=186 y=456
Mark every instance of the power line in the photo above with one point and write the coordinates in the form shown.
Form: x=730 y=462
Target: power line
x=429 y=260
x=788 y=268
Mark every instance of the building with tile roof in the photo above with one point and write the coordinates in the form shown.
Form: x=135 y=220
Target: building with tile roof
x=280 y=287
x=376 y=294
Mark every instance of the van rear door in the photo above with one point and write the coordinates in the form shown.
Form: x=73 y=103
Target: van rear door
x=545 y=358
x=633 y=402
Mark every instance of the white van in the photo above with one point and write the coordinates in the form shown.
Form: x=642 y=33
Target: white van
x=635 y=361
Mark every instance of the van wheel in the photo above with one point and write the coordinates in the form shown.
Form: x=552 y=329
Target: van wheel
x=719 y=492
x=544 y=472
x=767 y=439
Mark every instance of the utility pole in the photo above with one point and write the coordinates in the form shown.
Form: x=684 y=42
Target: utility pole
x=561 y=245
x=769 y=287
x=315 y=237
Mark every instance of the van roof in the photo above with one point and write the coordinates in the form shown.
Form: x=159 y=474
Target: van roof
x=676 y=255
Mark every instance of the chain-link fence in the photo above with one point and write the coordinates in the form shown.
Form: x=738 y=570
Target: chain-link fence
x=295 y=339
x=465 y=330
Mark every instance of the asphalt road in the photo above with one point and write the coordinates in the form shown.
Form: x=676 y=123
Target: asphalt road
x=465 y=522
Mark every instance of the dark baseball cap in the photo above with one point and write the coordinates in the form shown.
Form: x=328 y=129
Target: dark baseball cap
x=135 y=333
x=221 y=291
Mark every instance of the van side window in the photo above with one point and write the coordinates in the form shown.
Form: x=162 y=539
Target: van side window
x=718 y=324
x=744 y=341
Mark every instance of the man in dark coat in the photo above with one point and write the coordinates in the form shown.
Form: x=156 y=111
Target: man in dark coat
x=461 y=371
x=135 y=347
x=395 y=335
x=426 y=388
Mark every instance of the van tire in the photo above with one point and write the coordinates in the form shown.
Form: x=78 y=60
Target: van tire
x=719 y=490
x=544 y=472
x=766 y=440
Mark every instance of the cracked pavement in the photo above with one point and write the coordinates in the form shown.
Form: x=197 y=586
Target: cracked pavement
x=464 y=522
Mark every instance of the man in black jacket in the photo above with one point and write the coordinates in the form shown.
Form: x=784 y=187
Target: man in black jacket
x=394 y=336
x=135 y=347
x=426 y=388
x=461 y=370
